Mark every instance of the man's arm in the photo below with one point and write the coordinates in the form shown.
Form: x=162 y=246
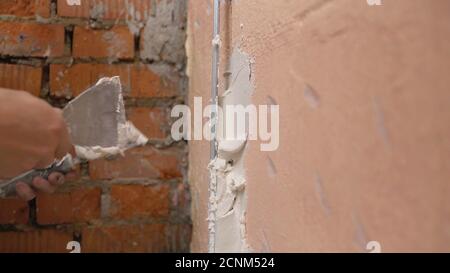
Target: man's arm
x=32 y=135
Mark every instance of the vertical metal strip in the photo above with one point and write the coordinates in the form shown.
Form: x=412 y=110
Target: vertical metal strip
x=214 y=118
x=214 y=78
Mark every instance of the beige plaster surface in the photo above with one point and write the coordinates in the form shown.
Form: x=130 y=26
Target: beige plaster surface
x=364 y=95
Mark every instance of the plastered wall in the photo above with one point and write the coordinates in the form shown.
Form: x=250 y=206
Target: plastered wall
x=364 y=122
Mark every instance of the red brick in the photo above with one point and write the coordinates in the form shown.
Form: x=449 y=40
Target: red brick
x=21 y=77
x=180 y=237
x=137 y=80
x=143 y=162
x=79 y=205
x=150 y=121
x=116 y=43
x=139 y=201
x=136 y=238
x=30 y=39
x=25 y=8
x=136 y=10
x=37 y=241
x=75 y=174
x=13 y=211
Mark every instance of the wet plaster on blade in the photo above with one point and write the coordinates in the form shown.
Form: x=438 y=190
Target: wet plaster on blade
x=128 y=135
x=230 y=199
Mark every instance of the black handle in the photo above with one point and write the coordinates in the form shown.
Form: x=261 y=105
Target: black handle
x=64 y=166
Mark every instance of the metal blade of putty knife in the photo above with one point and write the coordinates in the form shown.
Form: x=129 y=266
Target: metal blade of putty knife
x=98 y=127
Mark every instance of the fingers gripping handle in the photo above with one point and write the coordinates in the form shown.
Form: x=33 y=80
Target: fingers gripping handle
x=64 y=166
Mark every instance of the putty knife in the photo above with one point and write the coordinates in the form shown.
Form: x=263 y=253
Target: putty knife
x=98 y=127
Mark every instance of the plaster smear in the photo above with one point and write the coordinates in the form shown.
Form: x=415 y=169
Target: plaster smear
x=129 y=136
x=228 y=203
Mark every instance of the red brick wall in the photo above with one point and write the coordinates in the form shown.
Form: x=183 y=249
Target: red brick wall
x=139 y=202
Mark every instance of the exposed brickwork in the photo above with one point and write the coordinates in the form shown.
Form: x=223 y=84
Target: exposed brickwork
x=163 y=35
x=115 y=43
x=46 y=241
x=21 y=77
x=39 y=8
x=139 y=201
x=136 y=203
x=138 y=80
x=137 y=238
x=31 y=39
x=78 y=205
x=107 y=9
x=150 y=121
x=130 y=238
x=13 y=211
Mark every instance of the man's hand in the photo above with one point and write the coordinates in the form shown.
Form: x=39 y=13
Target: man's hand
x=48 y=186
x=32 y=135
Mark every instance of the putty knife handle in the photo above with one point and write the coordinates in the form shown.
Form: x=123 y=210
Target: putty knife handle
x=64 y=166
